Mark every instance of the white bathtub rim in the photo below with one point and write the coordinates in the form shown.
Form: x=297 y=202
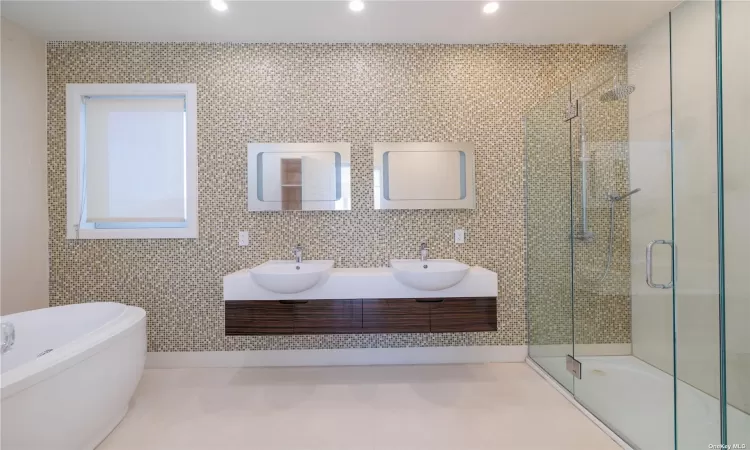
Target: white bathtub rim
x=70 y=354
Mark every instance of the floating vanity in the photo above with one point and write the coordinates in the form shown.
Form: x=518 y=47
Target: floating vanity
x=313 y=297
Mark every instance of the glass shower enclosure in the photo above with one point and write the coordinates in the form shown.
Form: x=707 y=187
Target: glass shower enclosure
x=638 y=194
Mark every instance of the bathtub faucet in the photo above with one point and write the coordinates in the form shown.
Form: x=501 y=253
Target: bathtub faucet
x=9 y=337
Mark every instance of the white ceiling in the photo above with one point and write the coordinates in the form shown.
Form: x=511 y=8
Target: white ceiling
x=452 y=22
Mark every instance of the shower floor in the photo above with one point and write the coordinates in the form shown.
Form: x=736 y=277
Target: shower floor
x=636 y=400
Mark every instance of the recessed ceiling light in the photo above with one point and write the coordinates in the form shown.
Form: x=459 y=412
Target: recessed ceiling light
x=491 y=8
x=219 y=5
x=356 y=5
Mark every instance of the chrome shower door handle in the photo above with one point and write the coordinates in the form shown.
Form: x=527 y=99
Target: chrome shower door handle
x=650 y=264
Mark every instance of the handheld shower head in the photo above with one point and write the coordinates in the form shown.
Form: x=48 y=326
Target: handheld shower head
x=619 y=91
x=617 y=198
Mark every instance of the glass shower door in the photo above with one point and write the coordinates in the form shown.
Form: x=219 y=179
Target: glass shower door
x=696 y=226
x=735 y=57
x=549 y=285
x=623 y=183
x=711 y=69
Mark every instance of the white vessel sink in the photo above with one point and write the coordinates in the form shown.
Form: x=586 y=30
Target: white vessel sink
x=289 y=277
x=429 y=275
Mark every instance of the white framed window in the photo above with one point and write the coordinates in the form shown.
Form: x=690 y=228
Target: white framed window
x=131 y=161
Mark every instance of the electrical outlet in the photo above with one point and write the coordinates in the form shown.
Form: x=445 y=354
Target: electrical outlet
x=459 y=236
x=244 y=238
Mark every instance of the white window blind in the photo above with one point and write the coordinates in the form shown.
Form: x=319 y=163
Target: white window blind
x=135 y=159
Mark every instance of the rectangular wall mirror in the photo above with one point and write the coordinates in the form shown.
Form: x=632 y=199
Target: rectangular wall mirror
x=423 y=175
x=294 y=177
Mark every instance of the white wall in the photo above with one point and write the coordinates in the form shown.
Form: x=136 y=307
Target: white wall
x=693 y=102
x=24 y=278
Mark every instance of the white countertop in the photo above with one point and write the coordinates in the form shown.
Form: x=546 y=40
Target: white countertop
x=376 y=282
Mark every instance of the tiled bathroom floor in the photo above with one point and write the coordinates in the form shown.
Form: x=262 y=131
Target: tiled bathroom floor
x=451 y=407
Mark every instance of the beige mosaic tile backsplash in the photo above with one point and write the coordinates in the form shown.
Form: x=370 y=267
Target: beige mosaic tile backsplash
x=312 y=93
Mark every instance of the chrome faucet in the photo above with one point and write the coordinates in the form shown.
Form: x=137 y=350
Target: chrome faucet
x=423 y=251
x=297 y=253
x=8 y=337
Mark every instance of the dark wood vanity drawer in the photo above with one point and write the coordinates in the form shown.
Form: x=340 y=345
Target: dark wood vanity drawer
x=463 y=314
x=395 y=316
x=403 y=315
x=258 y=317
x=328 y=316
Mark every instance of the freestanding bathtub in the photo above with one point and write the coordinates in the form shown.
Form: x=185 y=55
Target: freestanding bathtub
x=68 y=379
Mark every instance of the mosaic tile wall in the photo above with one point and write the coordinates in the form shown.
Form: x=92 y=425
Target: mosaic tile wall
x=602 y=298
x=549 y=205
x=589 y=304
x=312 y=93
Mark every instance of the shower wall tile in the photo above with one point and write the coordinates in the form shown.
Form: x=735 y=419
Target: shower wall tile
x=589 y=304
x=602 y=296
x=548 y=222
x=316 y=93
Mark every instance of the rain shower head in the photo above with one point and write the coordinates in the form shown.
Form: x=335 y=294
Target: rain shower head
x=619 y=91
